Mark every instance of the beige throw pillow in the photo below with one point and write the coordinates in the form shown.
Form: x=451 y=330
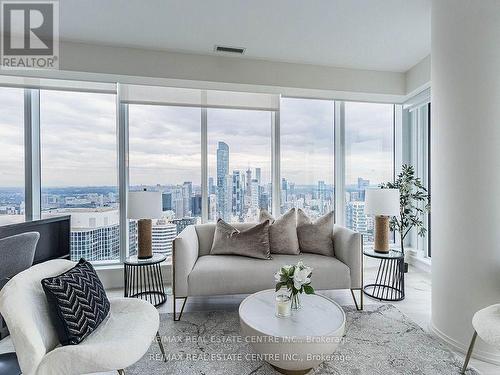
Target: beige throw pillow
x=315 y=237
x=282 y=232
x=253 y=242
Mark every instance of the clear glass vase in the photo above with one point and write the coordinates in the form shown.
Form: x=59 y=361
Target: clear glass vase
x=296 y=305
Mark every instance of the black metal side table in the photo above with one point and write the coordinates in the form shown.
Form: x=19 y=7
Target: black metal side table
x=143 y=279
x=390 y=281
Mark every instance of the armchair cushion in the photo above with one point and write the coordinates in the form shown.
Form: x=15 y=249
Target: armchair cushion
x=77 y=302
x=120 y=341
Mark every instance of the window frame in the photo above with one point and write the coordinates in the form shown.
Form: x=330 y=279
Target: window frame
x=417 y=152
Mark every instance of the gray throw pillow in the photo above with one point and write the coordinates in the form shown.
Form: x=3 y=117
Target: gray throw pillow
x=253 y=242
x=315 y=237
x=282 y=232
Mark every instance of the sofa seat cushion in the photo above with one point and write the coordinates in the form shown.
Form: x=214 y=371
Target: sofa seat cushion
x=231 y=274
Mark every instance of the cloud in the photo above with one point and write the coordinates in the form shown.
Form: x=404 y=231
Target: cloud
x=11 y=137
x=79 y=140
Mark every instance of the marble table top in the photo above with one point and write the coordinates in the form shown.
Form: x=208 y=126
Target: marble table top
x=319 y=316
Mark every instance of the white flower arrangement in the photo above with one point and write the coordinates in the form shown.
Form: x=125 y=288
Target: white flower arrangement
x=297 y=279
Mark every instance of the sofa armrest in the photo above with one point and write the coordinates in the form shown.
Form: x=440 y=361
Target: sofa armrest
x=348 y=247
x=185 y=255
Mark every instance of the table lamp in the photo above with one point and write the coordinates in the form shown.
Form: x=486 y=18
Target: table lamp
x=383 y=204
x=144 y=206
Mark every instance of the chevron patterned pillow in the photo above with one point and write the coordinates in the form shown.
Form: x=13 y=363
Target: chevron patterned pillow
x=78 y=302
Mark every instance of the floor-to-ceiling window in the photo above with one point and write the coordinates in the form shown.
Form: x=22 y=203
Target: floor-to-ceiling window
x=239 y=164
x=307 y=155
x=417 y=153
x=211 y=154
x=79 y=173
x=12 y=202
x=165 y=156
x=369 y=158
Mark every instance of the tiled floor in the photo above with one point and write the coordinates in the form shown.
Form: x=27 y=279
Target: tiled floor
x=416 y=305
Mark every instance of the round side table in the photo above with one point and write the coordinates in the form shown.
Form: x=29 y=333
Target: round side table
x=390 y=281
x=143 y=279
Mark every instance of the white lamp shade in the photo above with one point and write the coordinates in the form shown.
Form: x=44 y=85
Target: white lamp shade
x=144 y=205
x=382 y=202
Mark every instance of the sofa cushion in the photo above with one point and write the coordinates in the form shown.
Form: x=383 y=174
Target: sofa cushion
x=253 y=242
x=315 y=237
x=229 y=274
x=282 y=232
x=206 y=233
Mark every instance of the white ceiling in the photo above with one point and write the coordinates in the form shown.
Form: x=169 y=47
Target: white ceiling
x=390 y=35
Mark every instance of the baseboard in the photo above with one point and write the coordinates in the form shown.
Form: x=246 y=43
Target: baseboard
x=459 y=347
x=422 y=264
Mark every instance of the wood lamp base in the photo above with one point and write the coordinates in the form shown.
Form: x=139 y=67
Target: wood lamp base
x=144 y=238
x=381 y=244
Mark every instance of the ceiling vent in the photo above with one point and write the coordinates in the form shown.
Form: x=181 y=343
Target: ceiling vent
x=232 y=50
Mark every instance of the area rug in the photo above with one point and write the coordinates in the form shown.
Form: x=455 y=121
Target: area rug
x=378 y=340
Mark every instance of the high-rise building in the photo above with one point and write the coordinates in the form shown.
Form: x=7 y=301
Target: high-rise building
x=163 y=234
x=237 y=195
x=223 y=204
x=196 y=205
x=264 y=200
x=248 y=180
x=211 y=186
x=258 y=175
x=166 y=200
x=254 y=194
x=95 y=233
x=322 y=196
x=187 y=192
x=183 y=223
x=212 y=207
x=355 y=217
x=178 y=201
x=362 y=186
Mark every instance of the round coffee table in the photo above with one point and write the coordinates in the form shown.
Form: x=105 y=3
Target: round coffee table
x=297 y=343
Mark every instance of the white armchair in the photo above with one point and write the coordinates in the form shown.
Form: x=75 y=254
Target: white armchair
x=120 y=341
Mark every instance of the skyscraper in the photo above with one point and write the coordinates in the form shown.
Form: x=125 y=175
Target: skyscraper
x=166 y=199
x=237 y=196
x=187 y=192
x=223 y=206
x=196 y=205
x=258 y=175
x=248 y=187
x=255 y=194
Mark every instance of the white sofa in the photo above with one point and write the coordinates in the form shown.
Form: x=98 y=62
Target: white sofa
x=197 y=273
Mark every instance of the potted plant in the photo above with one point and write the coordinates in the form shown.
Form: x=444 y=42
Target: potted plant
x=414 y=202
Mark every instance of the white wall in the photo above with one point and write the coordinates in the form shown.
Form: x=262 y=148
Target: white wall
x=132 y=65
x=465 y=167
x=418 y=77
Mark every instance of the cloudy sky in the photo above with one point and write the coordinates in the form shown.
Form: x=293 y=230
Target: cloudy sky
x=79 y=141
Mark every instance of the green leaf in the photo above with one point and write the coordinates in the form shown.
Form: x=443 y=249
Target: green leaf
x=308 y=289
